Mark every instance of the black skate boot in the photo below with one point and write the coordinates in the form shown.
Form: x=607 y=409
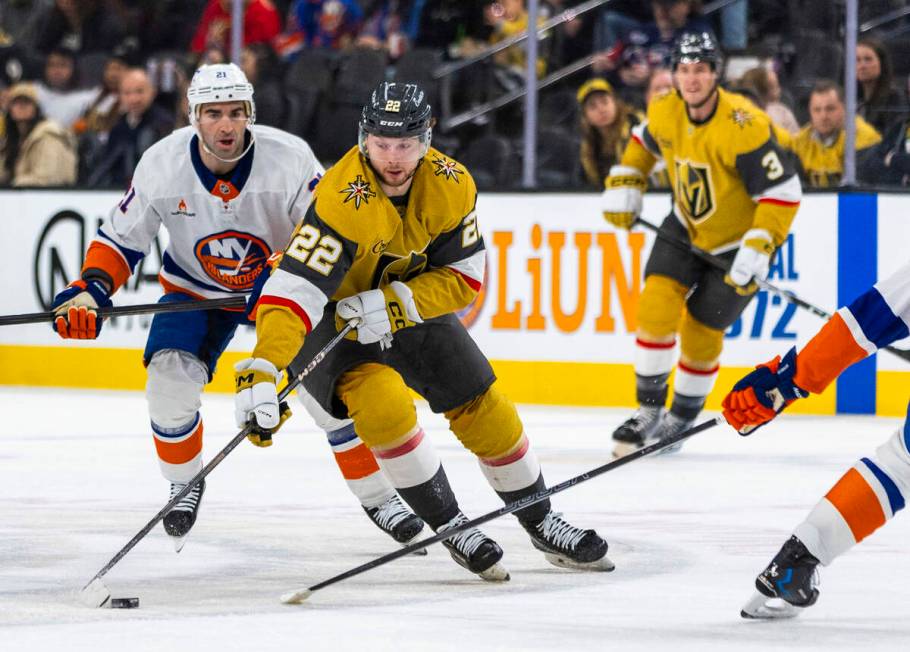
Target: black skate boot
x=670 y=426
x=787 y=586
x=637 y=431
x=475 y=551
x=396 y=520
x=179 y=521
x=565 y=545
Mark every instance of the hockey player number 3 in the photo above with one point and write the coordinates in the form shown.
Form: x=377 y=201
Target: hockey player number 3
x=771 y=163
x=304 y=248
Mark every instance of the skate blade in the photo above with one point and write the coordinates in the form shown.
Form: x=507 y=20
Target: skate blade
x=602 y=565
x=762 y=607
x=671 y=449
x=422 y=552
x=94 y=594
x=495 y=573
x=296 y=597
x=179 y=542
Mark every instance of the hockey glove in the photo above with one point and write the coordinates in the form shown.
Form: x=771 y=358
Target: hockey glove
x=621 y=201
x=381 y=312
x=270 y=266
x=76 y=309
x=256 y=401
x=751 y=261
x=763 y=394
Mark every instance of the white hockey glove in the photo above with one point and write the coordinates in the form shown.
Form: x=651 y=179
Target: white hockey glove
x=381 y=313
x=256 y=382
x=752 y=259
x=621 y=201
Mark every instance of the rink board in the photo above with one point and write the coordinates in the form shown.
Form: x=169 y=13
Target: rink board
x=557 y=315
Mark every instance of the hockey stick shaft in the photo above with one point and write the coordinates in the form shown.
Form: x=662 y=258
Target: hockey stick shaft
x=505 y=509
x=719 y=263
x=136 y=309
x=215 y=461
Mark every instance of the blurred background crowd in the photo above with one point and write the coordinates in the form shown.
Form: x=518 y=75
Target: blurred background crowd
x=88 y=85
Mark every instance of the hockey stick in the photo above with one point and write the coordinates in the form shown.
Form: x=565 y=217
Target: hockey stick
x=95 y=593
x=719 y=263
x=136 y=309
x=298 y=596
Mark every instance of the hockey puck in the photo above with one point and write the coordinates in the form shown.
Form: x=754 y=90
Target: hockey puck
x=124 y=603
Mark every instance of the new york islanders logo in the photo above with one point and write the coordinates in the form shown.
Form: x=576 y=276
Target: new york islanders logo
x=232 y=259
x=358 y=191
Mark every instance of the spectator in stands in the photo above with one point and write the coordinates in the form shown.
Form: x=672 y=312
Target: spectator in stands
x=879 y=100
x=606 y=126
x=58 y=95
x=764 y=83
x=659 y=83
x=888 y=163
x=104 y=110
x=628 y=64
x=81 y=26
x=508 y=18
x=385 y=26
x=331 y=24
x=261 y=23
x=260 y=66
x=617 y=19
x=142 y=124
x=820 y=144
x=35 y=151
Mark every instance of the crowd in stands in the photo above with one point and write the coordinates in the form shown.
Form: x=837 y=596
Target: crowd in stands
x=86 y=86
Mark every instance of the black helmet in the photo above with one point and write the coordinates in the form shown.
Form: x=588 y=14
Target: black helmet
x=692 y=47
x=397 y=110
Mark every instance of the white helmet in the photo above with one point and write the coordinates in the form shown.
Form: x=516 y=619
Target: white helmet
x=220 y=82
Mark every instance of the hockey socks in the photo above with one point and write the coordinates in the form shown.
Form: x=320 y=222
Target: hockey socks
x=359 y=468
x=179 y=450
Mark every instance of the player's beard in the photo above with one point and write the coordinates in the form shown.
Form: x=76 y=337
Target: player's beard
x=404 y=180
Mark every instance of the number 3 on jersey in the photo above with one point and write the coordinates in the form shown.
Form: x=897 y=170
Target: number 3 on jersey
x=318 y=253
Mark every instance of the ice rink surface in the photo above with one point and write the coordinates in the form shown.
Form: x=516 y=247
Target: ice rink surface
x=688 y=533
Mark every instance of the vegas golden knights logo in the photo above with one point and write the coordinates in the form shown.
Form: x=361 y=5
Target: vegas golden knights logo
x=398 y=268
x=694 y=191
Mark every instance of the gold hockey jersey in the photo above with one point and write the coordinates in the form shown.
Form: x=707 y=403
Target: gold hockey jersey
x=353 y=239
x=728 y=174
x=823 y=160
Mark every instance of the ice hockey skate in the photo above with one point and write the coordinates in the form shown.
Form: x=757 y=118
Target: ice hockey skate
x=179 y=521
x=567 y=546
x=396 y=520
x=475 y=551
x=787 y=586
x=670 y=426
x=637 y=431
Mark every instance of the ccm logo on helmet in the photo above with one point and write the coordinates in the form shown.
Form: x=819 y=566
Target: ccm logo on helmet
x=232 y=259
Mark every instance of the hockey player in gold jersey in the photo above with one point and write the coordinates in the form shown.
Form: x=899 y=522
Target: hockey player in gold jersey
x=735 y=193
x=391 y=240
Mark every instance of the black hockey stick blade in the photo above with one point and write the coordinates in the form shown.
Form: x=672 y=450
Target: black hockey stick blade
x=719 y=263
x=95 y=593
x=136 y=309
x=298 y=596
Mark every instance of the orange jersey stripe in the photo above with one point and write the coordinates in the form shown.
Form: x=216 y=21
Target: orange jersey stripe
x=180 y=452
x=832 y=350
x=857 y=503
x=356 y=463
x=101 y=256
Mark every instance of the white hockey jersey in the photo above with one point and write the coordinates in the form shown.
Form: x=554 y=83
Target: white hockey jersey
x=221 y=230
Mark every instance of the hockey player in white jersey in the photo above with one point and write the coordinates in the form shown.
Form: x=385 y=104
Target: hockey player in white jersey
x=229 y=194
x=872 y=491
